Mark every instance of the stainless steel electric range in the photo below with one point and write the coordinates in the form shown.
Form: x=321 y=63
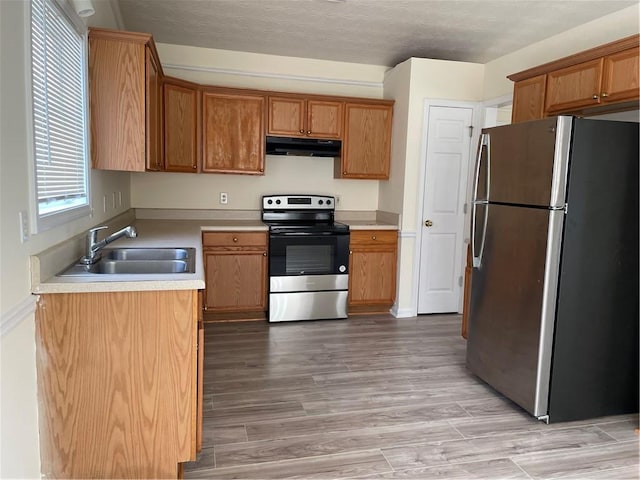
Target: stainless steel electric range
x=308 y=258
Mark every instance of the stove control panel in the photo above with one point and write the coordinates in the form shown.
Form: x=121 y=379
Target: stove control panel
x=298 y=202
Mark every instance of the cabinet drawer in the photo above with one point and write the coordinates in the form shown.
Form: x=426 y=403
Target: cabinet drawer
x=373 y=237
x=234 y=239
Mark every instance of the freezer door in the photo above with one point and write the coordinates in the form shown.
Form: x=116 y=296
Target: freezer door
x=526 y=163
x=512 y=304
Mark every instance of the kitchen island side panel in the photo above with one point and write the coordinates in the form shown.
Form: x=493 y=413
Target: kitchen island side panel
x=595 y=362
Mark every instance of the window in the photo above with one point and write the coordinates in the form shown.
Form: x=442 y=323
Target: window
x=58 y=76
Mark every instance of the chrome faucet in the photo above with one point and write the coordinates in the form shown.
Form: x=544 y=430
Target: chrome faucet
x=94 y=246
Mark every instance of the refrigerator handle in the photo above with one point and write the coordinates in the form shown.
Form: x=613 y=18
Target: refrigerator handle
x=484 y=142
x=477 y=259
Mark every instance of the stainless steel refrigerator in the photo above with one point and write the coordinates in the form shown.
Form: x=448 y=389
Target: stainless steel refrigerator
x=553 y=318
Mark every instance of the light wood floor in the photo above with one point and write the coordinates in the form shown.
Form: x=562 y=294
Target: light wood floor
x=378 y=397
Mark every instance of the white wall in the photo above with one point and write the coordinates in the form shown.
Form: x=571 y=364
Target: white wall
x=397 y=86
x=606 y=29
x=282 y=174
x=411 y=83
x=19 y=452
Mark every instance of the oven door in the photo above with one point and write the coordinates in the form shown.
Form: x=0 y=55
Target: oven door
x=294 y=254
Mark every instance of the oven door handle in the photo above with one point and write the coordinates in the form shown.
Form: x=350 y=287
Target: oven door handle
x=308 y=234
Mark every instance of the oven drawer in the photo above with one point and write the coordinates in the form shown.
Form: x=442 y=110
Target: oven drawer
x=373 y=237
x=285 y=307
x=234 y=239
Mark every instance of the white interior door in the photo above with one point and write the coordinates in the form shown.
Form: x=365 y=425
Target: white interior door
x=442 y=245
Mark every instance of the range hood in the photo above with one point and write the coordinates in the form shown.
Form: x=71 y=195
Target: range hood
x=309 y=147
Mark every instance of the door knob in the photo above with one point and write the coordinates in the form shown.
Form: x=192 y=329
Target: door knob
x=428 y=223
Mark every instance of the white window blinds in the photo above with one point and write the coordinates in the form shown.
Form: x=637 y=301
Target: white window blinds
x=59 y=115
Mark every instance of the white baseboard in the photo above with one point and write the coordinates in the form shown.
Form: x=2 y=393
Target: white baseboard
x=17 y=314
x=402 y=312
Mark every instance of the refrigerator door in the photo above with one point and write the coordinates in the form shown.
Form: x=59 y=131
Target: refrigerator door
x=595 y=358
x=525 y=163
x=512 y=304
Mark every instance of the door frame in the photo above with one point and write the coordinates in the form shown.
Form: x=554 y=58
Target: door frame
x=476 y=116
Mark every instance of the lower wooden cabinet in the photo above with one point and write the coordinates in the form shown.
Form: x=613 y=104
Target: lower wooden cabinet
x=235 y=265
x=117 y=381
x=372 y=270
x=200 y=397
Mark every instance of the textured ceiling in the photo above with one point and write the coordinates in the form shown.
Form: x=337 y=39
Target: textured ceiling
x=377 y=32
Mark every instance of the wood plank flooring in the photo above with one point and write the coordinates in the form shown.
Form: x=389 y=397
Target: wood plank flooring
x=384 y=398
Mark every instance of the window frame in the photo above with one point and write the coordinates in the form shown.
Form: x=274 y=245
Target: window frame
x=42 y=222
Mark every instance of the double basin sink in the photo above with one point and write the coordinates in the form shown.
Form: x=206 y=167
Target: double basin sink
x=137 y=261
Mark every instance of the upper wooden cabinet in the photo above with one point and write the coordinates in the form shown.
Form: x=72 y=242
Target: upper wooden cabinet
x=528 y=99
x=574 y=87
x=141 y=120
x=300 y=117
x=125 y=101
x=366 y=148
x=605 y=78
x=153 y=91
x=181 y=109
x=620 y=76
x=233 y=132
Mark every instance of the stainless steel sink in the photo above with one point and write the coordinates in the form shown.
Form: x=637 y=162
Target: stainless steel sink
x=142 y=266
x=130 y=254
x=137 y=261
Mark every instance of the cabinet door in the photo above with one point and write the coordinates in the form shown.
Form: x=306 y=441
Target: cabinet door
x=117 y=100
x=528 y=99
x=235 y=280
x=153 y=112
x=324 y=119
x=286 y=117
x=200 y=388
x=366 y=147
x=233 y=133
x=620 y=78
x=180 y=127
x=372 y=277
x=126 y=407
x=574 y=87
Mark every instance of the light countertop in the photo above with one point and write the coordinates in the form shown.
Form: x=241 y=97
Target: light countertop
x=151 y=233
x=159 y=234
x=369 y=225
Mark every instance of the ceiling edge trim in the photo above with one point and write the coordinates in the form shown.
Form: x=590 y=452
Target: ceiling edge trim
x=279 y=76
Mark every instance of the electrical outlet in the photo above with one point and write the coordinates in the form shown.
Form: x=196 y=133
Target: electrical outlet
x=24 y=226
x=224 y=198
x=338 y=200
